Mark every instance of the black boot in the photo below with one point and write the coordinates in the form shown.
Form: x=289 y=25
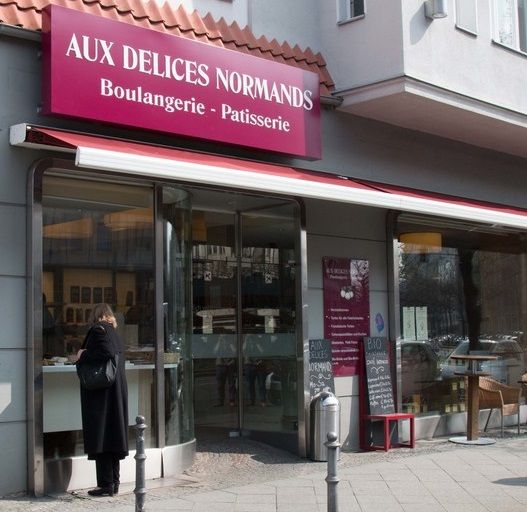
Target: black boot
x=102 y=491
x=116 y=488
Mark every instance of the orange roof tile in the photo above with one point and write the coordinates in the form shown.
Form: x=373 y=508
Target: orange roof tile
x=27 y=14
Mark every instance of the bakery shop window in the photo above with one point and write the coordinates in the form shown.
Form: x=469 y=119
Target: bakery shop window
x=97 y=246
x=461 y=290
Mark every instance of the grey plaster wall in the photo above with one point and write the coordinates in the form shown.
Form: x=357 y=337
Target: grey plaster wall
x=362 y=148
x=19 y=97
x=346 y=231
x=294 y=21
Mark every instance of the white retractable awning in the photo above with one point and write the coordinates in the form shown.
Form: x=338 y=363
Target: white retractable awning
x=128 y=157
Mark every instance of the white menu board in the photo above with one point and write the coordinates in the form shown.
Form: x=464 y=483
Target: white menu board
x=421 y=323
x=408 y=324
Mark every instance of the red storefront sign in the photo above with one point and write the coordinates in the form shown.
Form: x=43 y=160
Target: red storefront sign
x=114 y=72
x=346 y=310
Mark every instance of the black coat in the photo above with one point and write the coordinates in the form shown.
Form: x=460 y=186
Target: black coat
x=105 y=411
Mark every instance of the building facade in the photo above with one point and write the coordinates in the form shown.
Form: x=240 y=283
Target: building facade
x=217 y=251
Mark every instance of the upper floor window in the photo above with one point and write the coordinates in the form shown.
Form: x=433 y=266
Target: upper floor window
x=350 y=9
x=510 y=23
x=467 y=15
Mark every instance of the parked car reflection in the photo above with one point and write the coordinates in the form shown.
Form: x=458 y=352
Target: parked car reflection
x=419 y=367
x=508 y=368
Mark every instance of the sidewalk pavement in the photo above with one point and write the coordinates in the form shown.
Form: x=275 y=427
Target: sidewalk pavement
x=249 y=477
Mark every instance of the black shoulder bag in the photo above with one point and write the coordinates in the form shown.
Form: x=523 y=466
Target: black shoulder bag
x=94 y=376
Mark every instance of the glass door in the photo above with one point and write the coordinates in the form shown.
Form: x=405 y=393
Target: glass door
x=268 y=298
x=175 y=343
x=215 y=332
x=244 y=324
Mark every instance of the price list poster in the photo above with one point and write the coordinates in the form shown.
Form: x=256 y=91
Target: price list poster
x=346 y=310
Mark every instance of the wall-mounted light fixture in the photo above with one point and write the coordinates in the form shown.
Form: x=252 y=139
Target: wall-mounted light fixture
x=420 y=243
x=436 y=9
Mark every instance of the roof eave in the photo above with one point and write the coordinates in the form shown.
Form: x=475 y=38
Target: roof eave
x=20 y=32
x=331 y=101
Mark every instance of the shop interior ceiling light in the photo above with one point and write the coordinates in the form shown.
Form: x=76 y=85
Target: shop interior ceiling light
x=70 y=230
x=136 y=218
x=199 y=228
x=421 y=243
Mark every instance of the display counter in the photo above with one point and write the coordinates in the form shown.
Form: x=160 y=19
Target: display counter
x=61 y=395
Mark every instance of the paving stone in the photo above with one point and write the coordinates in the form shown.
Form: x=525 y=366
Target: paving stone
x=241 y=475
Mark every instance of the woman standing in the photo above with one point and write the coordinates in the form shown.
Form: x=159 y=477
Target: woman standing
x=105 y=411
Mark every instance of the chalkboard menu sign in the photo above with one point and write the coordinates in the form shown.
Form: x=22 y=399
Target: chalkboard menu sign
x=379 y=390
x=320 y=367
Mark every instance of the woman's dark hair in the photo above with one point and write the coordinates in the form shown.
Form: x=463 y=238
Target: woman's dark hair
x=103 y=312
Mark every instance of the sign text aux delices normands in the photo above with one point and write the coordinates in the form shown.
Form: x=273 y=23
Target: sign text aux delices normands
x=114 y=72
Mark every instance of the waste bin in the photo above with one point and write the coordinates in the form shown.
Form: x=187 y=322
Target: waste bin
x=325 y=417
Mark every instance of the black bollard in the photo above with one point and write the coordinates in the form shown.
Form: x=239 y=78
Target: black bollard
x=140 y=457
x=332 y=479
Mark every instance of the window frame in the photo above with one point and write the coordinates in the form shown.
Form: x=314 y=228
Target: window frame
x=462 y=26
x=344 y=11
x=515 y=46
x=36 y=460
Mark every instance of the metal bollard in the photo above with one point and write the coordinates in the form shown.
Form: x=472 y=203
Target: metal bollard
x=332 y=479
x=140 y=457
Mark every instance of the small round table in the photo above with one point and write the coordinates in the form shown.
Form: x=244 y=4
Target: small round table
x=473 y=374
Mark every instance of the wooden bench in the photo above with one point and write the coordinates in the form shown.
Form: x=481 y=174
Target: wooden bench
x=388 y=419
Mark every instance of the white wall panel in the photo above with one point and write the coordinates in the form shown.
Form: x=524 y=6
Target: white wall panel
x=12 y=385
x=12 y=309
x=13 y=236
x=13 y=464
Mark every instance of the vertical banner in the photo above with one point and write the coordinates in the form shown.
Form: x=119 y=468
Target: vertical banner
x=346 y=310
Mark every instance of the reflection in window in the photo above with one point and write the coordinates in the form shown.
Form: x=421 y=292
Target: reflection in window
x=349 y=9
x=510 y=20
x=179 y=426
x=467 y=15
x=268 y=282
x=98 y=246
x=245 y=358
x=214 y=344
x=465 y=295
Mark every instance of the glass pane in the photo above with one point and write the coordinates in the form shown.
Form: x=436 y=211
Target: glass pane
x=466 y=292
x=466 y=15
x=214 y=340
x=98 y=246
x=522 y=24
x=268 y=273
x=356 y=8
x=505 y=21
x=179 y=427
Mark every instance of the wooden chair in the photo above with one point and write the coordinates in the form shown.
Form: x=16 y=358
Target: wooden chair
x=496 y=395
